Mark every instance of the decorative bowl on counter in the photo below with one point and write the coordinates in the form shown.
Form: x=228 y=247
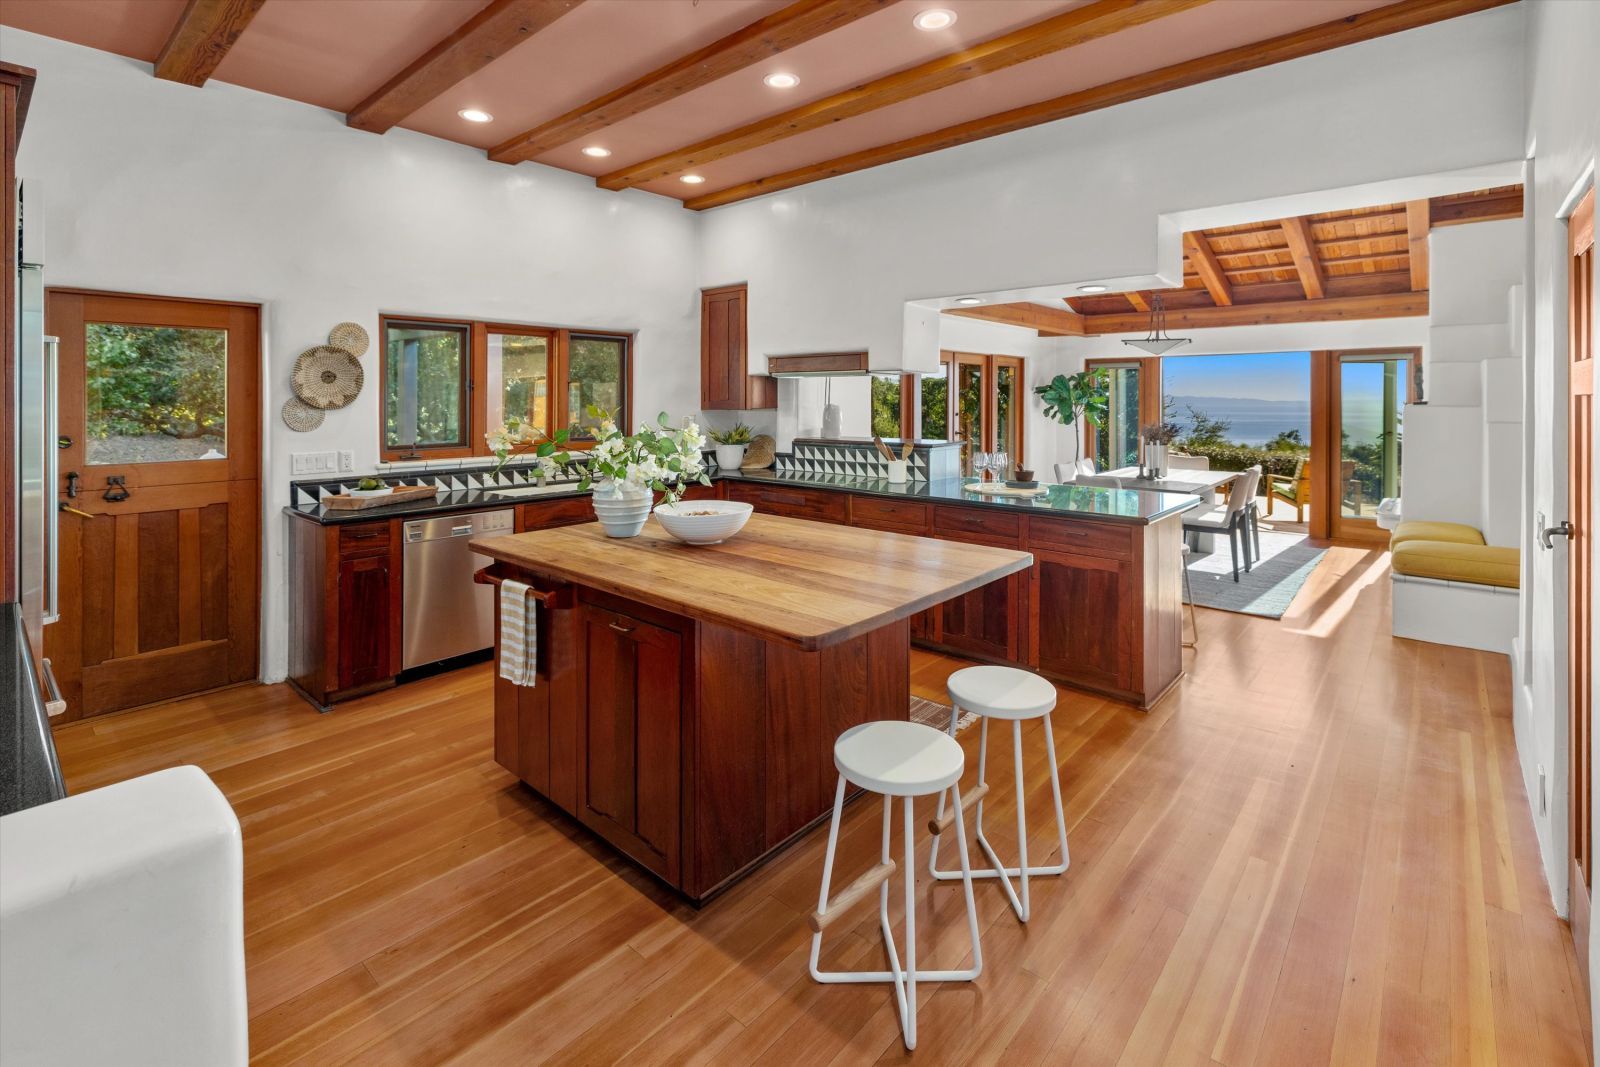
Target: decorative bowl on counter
x=703 y=522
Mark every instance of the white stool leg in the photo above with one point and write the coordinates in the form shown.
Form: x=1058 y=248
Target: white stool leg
x=910 y=1018
x=933 y=850
x=1055 y=794
x=827 y=875
x=1022 y=816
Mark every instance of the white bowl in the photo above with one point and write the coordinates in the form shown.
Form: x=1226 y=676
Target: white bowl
x=726 y=518
x=364 y=493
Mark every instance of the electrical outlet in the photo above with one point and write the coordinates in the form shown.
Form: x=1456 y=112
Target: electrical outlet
x=347 y=461
x=1544 y=802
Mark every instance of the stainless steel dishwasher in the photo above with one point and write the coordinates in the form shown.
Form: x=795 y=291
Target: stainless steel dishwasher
x=444 y=613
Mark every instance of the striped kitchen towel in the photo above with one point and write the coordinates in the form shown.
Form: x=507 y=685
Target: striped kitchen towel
x=519 y=634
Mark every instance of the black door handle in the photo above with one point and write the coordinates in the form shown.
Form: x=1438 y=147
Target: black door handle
x=72 y=484
x=116 y=489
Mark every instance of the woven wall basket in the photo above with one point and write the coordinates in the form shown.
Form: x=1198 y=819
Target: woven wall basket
x=327 y=377
x=300 y=416
x=759 y=453
x=350 y=337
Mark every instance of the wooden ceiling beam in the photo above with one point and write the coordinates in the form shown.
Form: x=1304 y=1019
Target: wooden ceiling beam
x=1364 y=26
x=482 y=39
x=776 y=33
x=1100 y=18
x=1049 y=321
x=204 y=33
x=1204 y=261
x=1332 y=309
x=1418 y=222
x=1455 y=210
x=1139 y=302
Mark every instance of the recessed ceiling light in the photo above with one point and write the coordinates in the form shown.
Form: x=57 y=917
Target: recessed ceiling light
x=782 y=81
x=935 y=18
x=596 y=151
x=691 y=179
x=472 y=114
x=1091 y=288
x=969 y=300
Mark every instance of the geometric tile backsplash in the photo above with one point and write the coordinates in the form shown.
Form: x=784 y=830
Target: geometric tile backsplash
x=929 y=461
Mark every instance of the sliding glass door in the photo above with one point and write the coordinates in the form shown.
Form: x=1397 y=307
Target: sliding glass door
x=1115 y=443
x=1370 y=394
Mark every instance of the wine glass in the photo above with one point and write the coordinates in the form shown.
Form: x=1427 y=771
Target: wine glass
x=980 y=463
x=1000 y=464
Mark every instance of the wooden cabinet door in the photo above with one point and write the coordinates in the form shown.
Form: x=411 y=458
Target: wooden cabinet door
x=629 y=736
x=1085 y=618
x=986 y=621
x=726 y=383
x=365 y=618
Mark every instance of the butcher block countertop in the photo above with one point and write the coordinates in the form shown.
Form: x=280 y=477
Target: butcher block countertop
x=808 y=584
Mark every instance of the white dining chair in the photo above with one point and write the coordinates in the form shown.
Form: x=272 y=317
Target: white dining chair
x=1232 y=517
x=1188 y=463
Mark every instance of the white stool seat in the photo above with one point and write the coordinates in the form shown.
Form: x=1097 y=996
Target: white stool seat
x=899 y=759
x=1002 y=692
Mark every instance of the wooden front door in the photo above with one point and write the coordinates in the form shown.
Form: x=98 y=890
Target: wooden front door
x=160 y=558
x=1580 y=564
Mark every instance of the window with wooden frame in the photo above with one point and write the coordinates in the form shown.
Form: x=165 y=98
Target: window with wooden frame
x=979 y=401
x=448 y=382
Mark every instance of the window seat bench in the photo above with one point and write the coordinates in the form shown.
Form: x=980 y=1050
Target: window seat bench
x=1451 y=588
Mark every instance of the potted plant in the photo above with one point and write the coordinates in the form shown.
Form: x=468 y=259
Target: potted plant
x=730 y=446
x=1068 y=398
x=1158 y=437
x=627 y=470
x=517 y=434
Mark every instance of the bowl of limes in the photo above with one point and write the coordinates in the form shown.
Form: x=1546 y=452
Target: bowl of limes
x=371 y=487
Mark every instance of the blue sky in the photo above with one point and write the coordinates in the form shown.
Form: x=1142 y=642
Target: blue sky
x=1260 y=376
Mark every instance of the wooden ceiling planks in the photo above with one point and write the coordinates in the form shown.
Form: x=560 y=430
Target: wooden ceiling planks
x=203 y=35
x=482 y=39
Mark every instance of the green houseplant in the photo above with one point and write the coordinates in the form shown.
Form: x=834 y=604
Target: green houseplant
x=1069 y=398
x=731 y=445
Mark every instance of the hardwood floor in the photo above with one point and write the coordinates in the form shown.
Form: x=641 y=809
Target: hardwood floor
x=1317 y=850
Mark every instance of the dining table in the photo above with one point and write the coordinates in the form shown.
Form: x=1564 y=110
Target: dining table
x=1200 y=483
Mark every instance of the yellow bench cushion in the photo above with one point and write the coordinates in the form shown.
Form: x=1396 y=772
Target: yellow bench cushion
x=1448 y=562
x=1451 y=532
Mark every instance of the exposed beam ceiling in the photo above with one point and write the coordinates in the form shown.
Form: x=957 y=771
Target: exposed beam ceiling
x=1379 y=22
x=1297 y=232
x=1417 y=224
x=1489 y=206
x=482 y=39
x=1090 y=22
x=1050 y=322
x=1139 y=302
x=202 y=37
x=1204 y=260
x=778 y=32
x=1331 y=309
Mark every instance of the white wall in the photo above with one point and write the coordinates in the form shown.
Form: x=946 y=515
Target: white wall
x=830 y=265
x=155 y=187
x=1563 y=140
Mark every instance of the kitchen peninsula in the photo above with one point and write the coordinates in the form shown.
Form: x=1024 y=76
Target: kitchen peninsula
x=687 y=698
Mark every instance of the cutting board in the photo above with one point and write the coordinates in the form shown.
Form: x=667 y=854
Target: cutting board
x=401 y=494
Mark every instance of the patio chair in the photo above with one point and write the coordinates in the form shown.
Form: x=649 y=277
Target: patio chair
x=1294 y=489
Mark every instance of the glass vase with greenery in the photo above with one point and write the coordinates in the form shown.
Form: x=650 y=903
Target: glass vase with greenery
x=1084 y=396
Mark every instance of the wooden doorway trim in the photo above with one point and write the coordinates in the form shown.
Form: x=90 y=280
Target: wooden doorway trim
x=1580 y=571
x=1151 y=403
x=160 y=590
x=1326 y=417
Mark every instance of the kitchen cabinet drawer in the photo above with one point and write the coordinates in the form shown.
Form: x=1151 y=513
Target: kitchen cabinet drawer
x=996 y=527
x=568 y=511
x=1076 y=535
x=817 y=505
x=896 y=516
x=364 y=538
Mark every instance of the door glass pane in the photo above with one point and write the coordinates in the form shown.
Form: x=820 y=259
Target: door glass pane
x=886 y=406
x=1371 y=410
x=519 y=379
x=969 y=414
x=423 y=402
x=936 y=407
x=1005 y=428
x=155 y=393
x=597 y=368
x=1117 y=440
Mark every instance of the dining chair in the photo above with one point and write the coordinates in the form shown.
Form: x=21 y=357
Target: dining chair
x=1232 y=518
x=1176 y=462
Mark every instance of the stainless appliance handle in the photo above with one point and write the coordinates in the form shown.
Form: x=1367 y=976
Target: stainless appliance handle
x=461 y=531
x=54 y=702
x=52 y=454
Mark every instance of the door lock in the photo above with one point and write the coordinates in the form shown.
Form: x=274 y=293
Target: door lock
x=1563 y=530
x=116 y=489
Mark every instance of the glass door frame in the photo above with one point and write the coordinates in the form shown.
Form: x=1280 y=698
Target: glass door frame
x=950 y=363
x=1148 y=369
x=1327 y=418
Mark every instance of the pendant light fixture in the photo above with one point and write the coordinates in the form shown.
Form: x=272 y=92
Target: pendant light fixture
x=1157 y=342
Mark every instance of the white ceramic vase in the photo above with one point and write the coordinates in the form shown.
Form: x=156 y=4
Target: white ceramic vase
x=622 y=509
x=1155 y=458
x=730 y=456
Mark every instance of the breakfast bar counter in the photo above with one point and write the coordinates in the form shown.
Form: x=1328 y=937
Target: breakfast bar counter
x=686 y=698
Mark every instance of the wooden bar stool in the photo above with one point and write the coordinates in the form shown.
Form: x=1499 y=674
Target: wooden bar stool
x=907 y=760
x=1016 y=695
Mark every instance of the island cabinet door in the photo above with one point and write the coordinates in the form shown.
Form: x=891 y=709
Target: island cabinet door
x=1085 y=610
x=629 y=741
x=989 y=621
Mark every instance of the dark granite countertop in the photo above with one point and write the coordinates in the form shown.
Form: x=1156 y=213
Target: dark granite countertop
x=29 y=773
x=1094 y=502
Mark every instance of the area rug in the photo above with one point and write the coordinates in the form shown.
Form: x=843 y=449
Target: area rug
x=932 y=713
x=1287 y=560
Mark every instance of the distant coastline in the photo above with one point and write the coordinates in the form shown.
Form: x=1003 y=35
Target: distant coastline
x=1256 y=422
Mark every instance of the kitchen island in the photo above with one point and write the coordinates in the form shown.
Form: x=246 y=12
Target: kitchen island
x=687 y=698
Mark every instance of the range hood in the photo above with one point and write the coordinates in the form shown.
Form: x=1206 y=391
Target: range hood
x=819 y=365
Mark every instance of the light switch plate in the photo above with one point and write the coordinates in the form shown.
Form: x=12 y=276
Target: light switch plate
x=308 y=464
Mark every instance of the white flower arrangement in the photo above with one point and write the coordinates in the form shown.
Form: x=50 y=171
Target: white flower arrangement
x=659 y=458
x=517 y=435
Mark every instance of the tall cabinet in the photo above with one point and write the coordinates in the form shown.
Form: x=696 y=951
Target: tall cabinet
x=726 y=383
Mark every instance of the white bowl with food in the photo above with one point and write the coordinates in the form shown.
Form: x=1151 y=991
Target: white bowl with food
x=703 y=522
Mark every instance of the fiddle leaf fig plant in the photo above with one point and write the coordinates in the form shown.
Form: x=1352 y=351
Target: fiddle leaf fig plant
x=1083 y=396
